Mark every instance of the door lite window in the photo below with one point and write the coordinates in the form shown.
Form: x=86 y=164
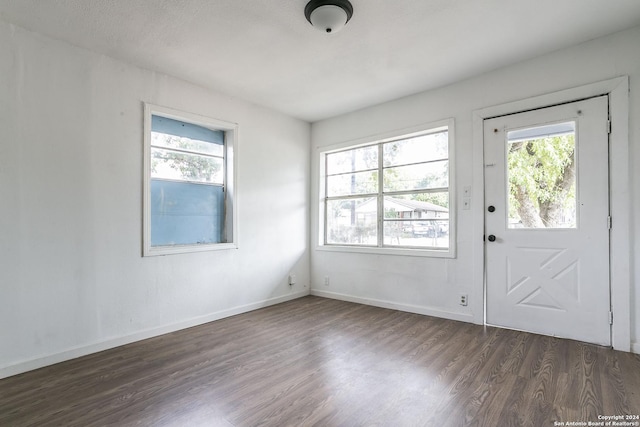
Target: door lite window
x=189 y=185
x=541 y=169
x=393 y=193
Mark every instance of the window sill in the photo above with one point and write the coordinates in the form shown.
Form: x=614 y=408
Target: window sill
x=183 y=249
x=428 y=253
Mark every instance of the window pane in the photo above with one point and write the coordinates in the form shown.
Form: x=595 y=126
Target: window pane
x=353 y=183
x=352 y=222
x=423 y=233
x=422 y=148
x=417 y=206
x=417 y=177
x=169 y=164
x=187 y=144
x=359 y=159
x=170 y=133
x=542 y=177
x=417 y=220
x=185 y=213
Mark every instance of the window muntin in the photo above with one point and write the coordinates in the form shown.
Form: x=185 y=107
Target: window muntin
x=189 y=183
x=392 y=193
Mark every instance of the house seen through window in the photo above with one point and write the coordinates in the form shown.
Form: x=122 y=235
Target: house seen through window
x=392 y=193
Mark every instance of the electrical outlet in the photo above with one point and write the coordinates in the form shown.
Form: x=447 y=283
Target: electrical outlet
x=292 y=279
x=464 y=299
x=326 y=280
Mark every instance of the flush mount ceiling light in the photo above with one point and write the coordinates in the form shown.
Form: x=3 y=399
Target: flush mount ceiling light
x=328 y=16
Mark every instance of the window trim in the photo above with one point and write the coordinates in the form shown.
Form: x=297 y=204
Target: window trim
x=230 y=181
x=404 y=133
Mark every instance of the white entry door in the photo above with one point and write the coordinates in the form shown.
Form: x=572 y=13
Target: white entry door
x=547 y=221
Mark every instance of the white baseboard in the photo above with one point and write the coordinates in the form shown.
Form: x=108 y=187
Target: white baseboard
x=84 y=350
x=427 y=311
x=635 y=347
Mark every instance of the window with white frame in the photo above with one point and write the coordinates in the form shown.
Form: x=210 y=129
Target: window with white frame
x=393 y=193
x=189 y=182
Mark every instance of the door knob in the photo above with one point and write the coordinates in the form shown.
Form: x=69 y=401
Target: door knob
x=491 y=238
x=491 y=208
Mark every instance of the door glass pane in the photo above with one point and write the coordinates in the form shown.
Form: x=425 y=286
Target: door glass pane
x=541 y=170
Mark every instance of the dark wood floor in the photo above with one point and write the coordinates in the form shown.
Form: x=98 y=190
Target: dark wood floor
x=316 y=361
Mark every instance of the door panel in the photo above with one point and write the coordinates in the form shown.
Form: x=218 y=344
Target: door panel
x=546 y=218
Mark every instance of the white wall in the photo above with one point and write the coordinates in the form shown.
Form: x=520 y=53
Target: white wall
x=72 y=279
x=432 y=285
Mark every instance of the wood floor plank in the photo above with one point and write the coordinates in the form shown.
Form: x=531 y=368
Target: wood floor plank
x=322 y=362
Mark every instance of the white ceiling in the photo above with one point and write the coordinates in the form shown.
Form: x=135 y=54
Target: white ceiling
x=265 y=51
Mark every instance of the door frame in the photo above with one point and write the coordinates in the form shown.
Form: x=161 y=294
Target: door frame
x=617 y=90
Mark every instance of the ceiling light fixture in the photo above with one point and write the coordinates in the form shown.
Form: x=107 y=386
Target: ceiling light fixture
x=328 y=16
